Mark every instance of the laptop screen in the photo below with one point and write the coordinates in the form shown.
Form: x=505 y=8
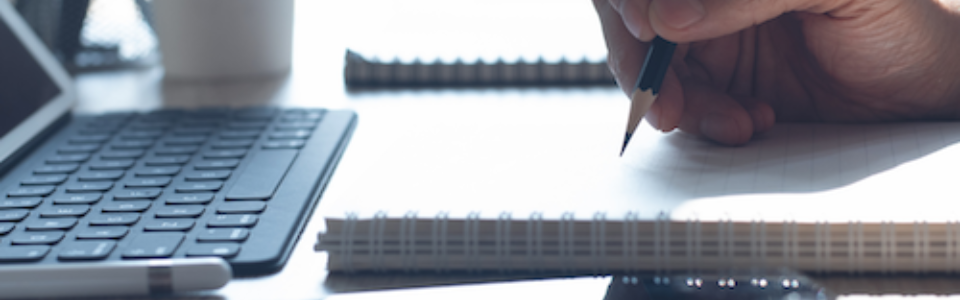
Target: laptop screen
x=25 y=86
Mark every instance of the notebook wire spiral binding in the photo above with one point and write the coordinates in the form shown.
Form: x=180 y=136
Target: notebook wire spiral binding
x=661 y=246
x=360 y=71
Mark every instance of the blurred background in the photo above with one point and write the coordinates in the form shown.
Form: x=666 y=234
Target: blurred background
x=90 y=35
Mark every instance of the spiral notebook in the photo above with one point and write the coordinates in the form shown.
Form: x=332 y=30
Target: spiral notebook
x=603 y=246
x=360 y=71
x=830 y=198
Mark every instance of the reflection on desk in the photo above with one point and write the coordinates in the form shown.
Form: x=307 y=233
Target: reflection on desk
x=784 y=284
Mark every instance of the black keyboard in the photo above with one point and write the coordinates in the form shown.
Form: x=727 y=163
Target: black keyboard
x=238 y=184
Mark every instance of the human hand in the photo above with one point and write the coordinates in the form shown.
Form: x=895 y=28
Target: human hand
x=741 y=65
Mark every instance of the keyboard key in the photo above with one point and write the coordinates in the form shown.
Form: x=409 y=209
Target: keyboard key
x=198 y=121
x=13 y=215
x=284 y=126
x=156 y=181
x=219 y=249
x=284 y=144
x=256 y=113
x=86 y=250
x=223 y=235
x=239 y=134
x=184 y=140
x=78 y=198
x=128 y=194
x=105 y=232
x=153 y=245
x=23 y=253
x=195 y=198
x=89 y=139
x=248 y=125
x=232 y=221
x=6 y=228
x=52 y=179
x=114 y=219
x=229 y=153
x=157 y=171
x=217 y=164
x=31 y=191
x=263 y=175
x=68 y=158
x=242 y=207
x=120 y=164
x=131 y=145
x=199 y=186
x=57 y=169
x=179 y=211
x=207 y=175
x=302 y=115
x=110 y=175
x=176 y=150
x=37 y=238
x=60 y=211
x=102 y=125
x=52 y=224
x=127 y=206
x=293 y=134
x=160 y=125
x=163 y=115
x=89 y=187
x=141 y=134
x=194 y=131
x=30 y=202
x=81 y=148
x=232 y=144
x=121 y=154
x=169 y=225
x=167 y=160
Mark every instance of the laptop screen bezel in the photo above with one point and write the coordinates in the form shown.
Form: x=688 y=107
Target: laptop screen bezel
x=55 y=108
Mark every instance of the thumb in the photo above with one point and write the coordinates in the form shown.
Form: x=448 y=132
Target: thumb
x=692 y=20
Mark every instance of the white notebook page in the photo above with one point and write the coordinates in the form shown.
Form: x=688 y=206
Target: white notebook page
x=524 y=157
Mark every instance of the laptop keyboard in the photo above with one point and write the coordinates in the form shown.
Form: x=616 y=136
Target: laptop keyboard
x=238 y=184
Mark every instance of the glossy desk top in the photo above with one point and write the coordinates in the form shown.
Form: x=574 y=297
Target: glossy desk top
x=457 y=148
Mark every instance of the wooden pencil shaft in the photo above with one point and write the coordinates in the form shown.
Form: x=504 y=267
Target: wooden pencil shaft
x=655 y=65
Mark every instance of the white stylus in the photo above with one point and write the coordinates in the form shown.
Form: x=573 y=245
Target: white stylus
x=98 y=279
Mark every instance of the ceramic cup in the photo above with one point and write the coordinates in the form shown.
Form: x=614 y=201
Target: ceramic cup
x=214 y=40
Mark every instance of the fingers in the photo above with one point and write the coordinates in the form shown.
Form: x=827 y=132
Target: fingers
x=625 y=58
x=718 y=117
x=635 y=17
x=665 y=113
x=693 y=20
x=624 y=53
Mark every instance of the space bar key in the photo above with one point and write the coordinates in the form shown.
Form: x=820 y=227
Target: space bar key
x=263 y=175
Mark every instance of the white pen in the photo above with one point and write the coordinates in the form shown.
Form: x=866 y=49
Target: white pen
x=98 y=279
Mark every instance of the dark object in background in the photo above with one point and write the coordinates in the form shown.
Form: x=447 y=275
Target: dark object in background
x=363 y=72
x=646 y=287
x=60 y=25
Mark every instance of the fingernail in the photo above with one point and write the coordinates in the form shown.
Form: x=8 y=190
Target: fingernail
x=719 y=128
x=634 y=29
x=679 y=14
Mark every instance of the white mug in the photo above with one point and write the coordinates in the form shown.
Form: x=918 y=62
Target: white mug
x=224 y=39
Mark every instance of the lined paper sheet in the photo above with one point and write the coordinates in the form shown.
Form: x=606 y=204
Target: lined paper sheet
x=508 y=152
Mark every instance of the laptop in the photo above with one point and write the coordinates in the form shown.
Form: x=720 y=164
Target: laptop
x=239 y=184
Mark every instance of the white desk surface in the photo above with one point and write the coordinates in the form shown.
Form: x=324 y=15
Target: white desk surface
x=457 y=147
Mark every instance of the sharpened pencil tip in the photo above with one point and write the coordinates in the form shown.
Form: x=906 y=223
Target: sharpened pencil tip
x=626 y=140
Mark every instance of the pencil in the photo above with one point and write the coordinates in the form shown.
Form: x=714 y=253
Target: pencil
x=648 y=84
